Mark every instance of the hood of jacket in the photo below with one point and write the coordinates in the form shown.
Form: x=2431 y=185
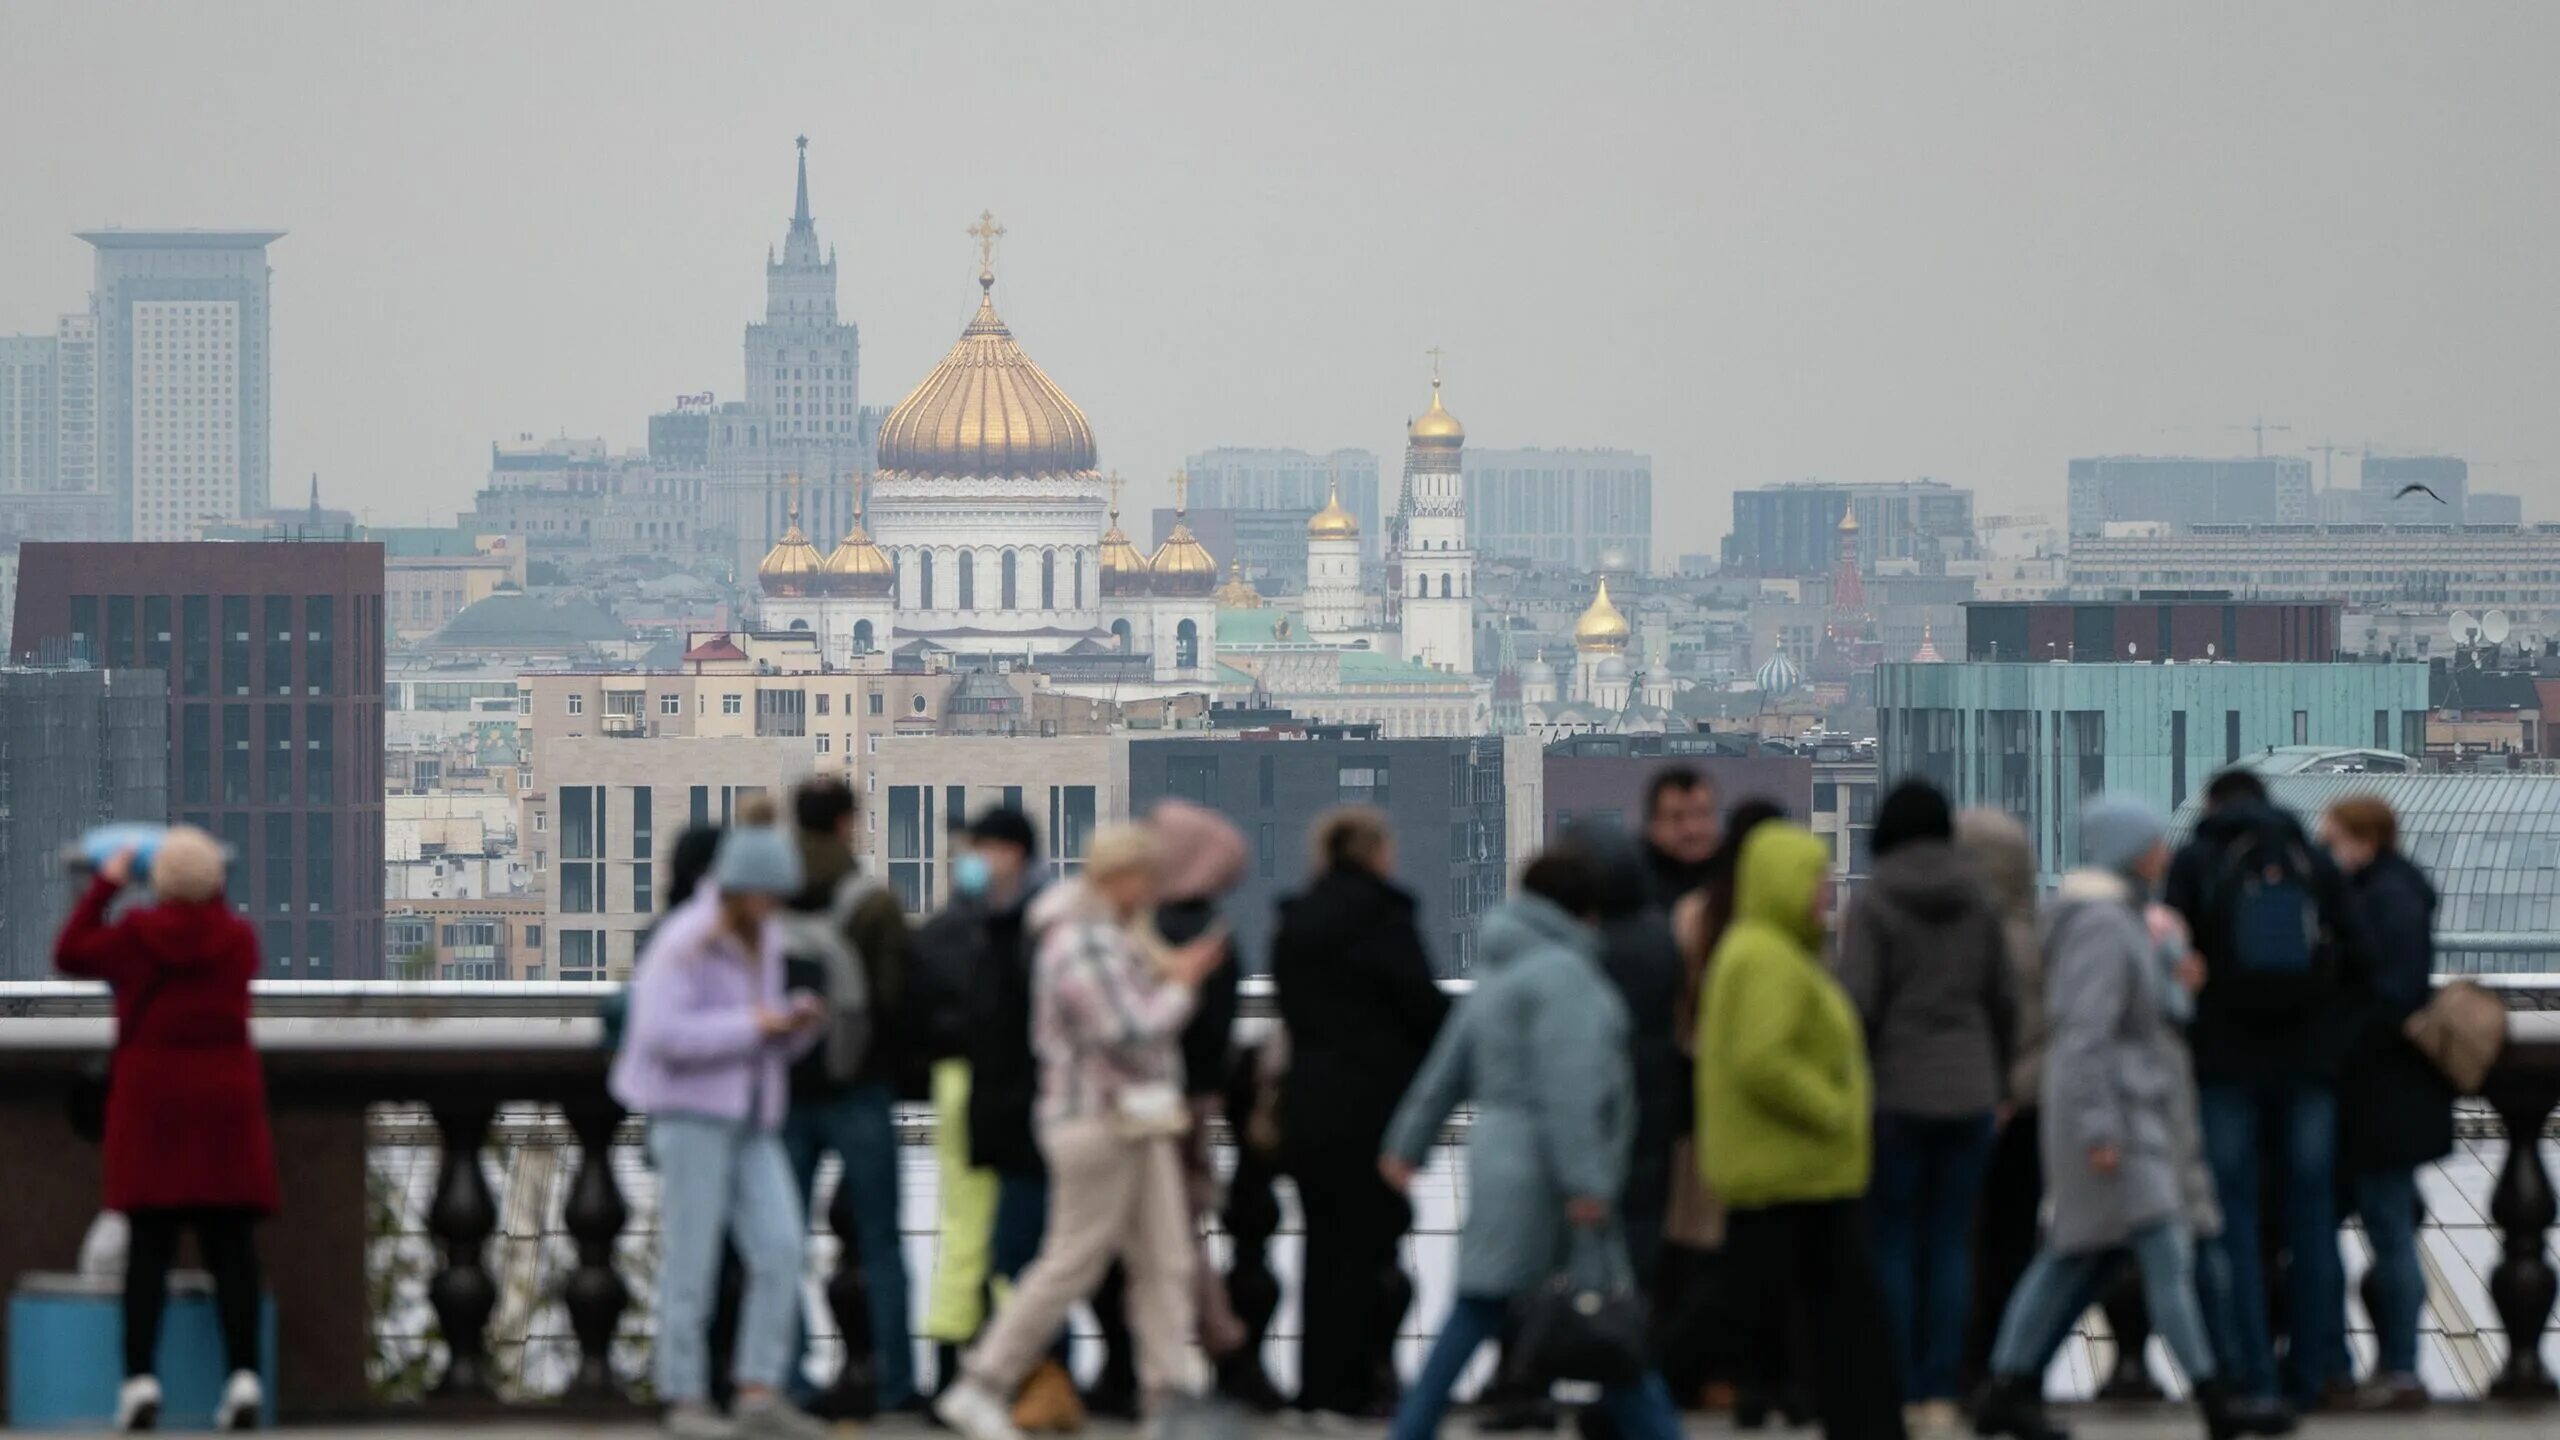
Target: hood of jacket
x=2093 y=887
x=1526 y=925
x=1066 y=902
x=1774 y=883
x=2002 y=856
x=1926 y=880
x=1204 y=853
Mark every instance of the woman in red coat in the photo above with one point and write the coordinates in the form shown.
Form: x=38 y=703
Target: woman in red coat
x=187 y=1142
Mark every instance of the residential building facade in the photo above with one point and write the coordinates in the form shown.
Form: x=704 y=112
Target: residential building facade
x=2163 y=628
x=1792 y=530
x=2184 y=491
x=1584 y=509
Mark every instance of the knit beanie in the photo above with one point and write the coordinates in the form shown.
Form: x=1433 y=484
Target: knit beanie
x=2116 y=831
x=756 y=860
x=1914 y=810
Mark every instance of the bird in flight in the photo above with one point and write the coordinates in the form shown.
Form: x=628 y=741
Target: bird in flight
x=2414 y=488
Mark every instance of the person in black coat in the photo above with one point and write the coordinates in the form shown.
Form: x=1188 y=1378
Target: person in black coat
x=2396 y=1108
x=1004 y=1079
x=1644 y=962
x=1361 y=1010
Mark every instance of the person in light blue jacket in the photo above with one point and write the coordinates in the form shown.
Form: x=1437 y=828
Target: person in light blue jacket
x=1541 y=1049
x=706 y=1058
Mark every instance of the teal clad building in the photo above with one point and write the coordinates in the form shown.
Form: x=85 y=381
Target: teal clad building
x=2038 y=740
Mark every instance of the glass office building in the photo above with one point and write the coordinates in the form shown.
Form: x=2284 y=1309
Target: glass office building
x=2039 y=740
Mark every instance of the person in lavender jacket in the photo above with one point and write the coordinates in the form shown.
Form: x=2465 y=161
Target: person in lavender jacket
x=711 y=1040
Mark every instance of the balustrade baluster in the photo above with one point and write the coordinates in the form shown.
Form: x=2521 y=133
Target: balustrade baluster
x=461 y=1220
x=2523 y=1285
x=595 y=1295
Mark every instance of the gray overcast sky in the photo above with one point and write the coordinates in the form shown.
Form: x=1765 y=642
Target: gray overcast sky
x=1759 y=243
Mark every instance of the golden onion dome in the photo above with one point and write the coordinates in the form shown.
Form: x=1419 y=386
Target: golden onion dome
x=1437 y=429
x=1333 y=522
x=1238 y=593
x=858 y=566
x=986 y=411
x=1601 y=627
x=1848 y=522
x=1182 y=565
x=1124 y=566
x=792 y=568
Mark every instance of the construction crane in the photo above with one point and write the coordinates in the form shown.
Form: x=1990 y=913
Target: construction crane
x=2259 y=428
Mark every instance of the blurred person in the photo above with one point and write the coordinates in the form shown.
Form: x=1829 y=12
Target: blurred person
x=187 y=1143
x=707 y=1060
x=1681 y=831
x=987 y=885
x=1784 y=1123
x=2286 y=976
x=1924 y=958
x=2006 y=1218
x=1701 y=1310
x=1360 y=1009
x=2122 y=1150
x=2395 y=1107
x=1643 y=963
x=1204 y=857
x=1540 y=1050
x=844 y=1090
x=1109 y=1004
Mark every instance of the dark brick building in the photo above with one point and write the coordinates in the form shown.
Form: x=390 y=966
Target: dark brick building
x=1601 y=779
x=273 y=652
x=2146 y=631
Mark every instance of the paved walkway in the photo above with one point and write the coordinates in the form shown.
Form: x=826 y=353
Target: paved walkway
x=2449 y=1423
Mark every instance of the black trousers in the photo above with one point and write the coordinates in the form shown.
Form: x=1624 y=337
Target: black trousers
x=230 y=1254
x=1353 y=1224
x=2004 y=1237
x=1823 y=1255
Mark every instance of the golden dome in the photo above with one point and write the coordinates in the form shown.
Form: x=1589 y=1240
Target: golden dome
x=1601 y=627
x=1181 y=565
x=1237 y=593
x=1333 y=522
x=1124 y=568
x=1437 y=428
x=1848 y=522
x=858 y=566
x=791 y=568
x=986 y=410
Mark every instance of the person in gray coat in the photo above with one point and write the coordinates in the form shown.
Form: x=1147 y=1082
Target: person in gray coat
x=1925 y=958
x=2121 y=1145
x=1540 y=1048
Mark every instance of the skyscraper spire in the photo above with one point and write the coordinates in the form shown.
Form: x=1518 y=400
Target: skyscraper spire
x=800 y=218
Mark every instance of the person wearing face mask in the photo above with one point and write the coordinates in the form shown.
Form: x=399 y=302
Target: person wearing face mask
x=1109 y=1002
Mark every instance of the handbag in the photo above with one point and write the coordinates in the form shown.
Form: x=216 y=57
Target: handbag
x=1587 y=1322
x=1150 y=1110
x=2462 y=1031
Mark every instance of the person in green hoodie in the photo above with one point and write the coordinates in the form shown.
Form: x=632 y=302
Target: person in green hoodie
x=1784 y=1130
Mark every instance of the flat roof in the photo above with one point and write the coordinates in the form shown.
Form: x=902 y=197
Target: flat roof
x=115 y=239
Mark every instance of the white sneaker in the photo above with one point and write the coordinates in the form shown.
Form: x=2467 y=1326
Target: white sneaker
x=971 y=1409
x=138 y=1405
x=244 y=1403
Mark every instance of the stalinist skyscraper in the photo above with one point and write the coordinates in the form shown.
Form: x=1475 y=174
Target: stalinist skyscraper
x=802 y=413
x=1437 y=570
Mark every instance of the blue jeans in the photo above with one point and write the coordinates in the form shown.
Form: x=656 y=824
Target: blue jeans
x=2057 y=1289
x=1022 y=1217
x=2303 y=1119
x=716 y=1178
x=1641 y=1411
x=2388 y=1201
x=861 y=1127
x=1928 y=1182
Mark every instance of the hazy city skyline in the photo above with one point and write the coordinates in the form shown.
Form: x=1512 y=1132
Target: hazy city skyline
x=1756 y=245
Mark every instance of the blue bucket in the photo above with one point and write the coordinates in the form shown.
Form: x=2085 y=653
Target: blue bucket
x=66 y=1352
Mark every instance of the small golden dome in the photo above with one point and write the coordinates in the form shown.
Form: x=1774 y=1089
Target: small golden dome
x=1601 y=627
x=1124 y=569
x=1437 y=428
x=1237 y=593
x=986 y=411
x=858 y=566
x=792 y=568
x=1181 y=565
x=1333 y=522
x=1848 y=522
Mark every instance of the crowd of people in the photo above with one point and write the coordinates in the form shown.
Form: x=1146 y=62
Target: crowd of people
x=1867 y=1168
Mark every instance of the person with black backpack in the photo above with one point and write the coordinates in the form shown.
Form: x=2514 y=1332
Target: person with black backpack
x=2285 y=978
x=845 y=940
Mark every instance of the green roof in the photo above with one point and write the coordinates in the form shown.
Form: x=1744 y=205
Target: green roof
x=1368 y=667
x=1260 y=627
x=1230 y=675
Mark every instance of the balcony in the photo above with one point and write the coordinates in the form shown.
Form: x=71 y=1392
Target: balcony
x=469 y=1225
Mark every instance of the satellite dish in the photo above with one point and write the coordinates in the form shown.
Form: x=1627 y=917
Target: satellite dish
x=2495 y=627
x=2463 y=627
